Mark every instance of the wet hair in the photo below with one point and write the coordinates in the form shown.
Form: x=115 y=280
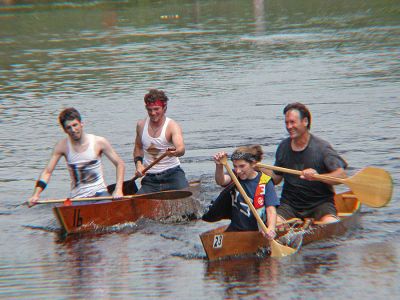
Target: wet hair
x=253 y=153
x=153 y=95
x=68 y=114
x=302 y=109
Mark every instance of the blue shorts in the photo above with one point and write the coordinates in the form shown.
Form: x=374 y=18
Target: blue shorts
x=287 y=212
x=171 y=179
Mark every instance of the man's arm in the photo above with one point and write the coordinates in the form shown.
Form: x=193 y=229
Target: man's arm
x=108 y=150
x=44 y=177
x=308 y=174
x=177 y=139
x=138 y=149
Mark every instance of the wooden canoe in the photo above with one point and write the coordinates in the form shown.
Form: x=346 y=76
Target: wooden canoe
x=219 y=244
x=99 y=216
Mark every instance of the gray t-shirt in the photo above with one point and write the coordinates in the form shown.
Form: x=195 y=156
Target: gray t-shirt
x=319 y=155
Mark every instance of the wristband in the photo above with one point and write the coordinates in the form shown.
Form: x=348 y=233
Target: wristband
x=138 y=158
x=41 y=183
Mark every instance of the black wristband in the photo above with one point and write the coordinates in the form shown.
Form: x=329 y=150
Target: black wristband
x=138 y=158
x=41 y=183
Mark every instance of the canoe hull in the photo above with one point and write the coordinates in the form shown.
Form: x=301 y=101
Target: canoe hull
x=219 y=244
x=97 y=216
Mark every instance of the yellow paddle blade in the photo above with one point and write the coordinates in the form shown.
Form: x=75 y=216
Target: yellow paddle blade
x=372 y=186
x=286 y=245
x=279 y=250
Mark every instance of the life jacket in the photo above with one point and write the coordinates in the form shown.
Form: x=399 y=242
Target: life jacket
x=221 y=207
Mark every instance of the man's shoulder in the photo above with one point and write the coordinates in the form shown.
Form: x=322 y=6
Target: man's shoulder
x=61 y=146
x=140 y=123
x=171 y=121
x=285 y=143
x=99 y=140
x=319 y=141
x=172 y=124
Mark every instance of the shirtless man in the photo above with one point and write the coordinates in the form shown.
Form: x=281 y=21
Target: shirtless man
x=82 y=153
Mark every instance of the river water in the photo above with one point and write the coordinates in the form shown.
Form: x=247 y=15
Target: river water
x=229 y=68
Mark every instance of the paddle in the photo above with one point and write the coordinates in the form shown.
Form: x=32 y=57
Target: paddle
x=277 y=249
x=129 y=186
x=372 y=186
x=164 y=195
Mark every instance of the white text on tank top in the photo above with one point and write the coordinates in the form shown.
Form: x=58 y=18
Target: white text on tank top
x=86 y=170
x=154 y=147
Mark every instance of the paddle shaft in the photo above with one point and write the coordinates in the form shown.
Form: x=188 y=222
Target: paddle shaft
x=297 y=172
x=156 y=161
x=173 y=194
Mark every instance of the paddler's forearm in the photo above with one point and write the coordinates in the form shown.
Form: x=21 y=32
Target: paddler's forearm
x=220 y=177
x=120 y=172
x=40 y=186
x=271 y=217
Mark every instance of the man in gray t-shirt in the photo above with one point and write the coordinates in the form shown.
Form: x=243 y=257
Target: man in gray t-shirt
x=305 y=197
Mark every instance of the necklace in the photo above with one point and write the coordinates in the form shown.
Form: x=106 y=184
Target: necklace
x=156 y=129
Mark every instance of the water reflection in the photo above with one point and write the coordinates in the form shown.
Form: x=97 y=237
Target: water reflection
x=380 y=256
x=88 y=265
x=262 y=276
x=245 y=276
x=259 y=16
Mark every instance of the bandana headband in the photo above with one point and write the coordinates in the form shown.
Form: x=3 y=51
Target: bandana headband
x=242 y=155
x=158 y=102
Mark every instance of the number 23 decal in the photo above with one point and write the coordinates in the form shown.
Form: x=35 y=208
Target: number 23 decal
x=218 y=241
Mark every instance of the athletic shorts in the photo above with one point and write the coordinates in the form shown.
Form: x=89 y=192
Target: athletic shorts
x=287 y=212
x=171 y=179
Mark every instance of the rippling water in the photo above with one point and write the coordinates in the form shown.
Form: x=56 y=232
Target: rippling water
x=229 y=68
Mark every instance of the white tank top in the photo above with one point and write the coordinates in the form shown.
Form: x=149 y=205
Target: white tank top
x=86 y=170
x=154 y=147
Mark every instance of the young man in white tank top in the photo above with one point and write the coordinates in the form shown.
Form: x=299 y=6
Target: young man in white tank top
x=83 y=153
x=154 y=136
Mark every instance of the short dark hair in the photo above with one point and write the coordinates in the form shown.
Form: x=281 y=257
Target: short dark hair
x=302 y=109
x=68 y=114
x=153 y=95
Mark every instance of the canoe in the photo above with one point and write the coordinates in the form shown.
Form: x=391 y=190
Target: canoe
x=219 y=244
x=99 y=216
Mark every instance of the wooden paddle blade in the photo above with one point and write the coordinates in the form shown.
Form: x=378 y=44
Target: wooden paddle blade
x=279 y=250
x=128 y=188
x=372 y=186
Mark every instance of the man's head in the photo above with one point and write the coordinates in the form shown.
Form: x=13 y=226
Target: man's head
x=297 y=120
x=71 y=121
x=156 y=104
x=69 y=114
x=155 y=98
x=304 y=113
